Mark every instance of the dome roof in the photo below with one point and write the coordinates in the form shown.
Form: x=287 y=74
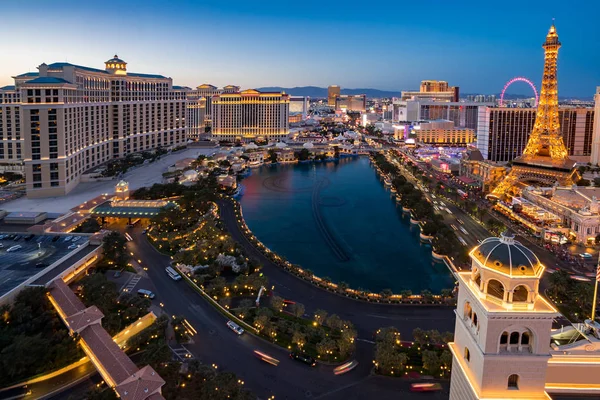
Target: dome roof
x=281 y=145
x=506 y=255
x=116 y=59
x=251 y=145
x=308 y=145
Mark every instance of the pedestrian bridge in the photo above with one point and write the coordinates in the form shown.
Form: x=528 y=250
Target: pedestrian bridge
x=115 y=367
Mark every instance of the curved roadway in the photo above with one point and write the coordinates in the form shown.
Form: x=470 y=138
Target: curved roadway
x=215 y=343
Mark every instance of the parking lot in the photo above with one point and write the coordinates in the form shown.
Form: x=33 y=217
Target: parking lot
x=35 y=254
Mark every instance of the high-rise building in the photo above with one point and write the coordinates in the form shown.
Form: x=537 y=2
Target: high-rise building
x=351 y=102
x=463 y=114
x=199 y=113
x=333 y=91
x=444 y=133
x=595 y=159
x=299 y=106
x=250 y=114
x=504 y=132
x=11 y=140
x=66 y=119
x=433 y=90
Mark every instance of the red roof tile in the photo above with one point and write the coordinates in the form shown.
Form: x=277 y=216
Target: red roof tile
x=108 y=353
x=141 y=385
x=65 y=298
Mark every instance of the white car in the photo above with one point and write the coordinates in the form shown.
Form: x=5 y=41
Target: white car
x=235 y=327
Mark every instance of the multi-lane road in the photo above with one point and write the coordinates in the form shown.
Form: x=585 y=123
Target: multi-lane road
x=214 y=343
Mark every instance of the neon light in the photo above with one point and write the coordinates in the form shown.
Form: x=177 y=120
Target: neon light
x=519 y=79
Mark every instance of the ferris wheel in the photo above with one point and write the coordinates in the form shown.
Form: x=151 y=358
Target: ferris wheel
x=519 y=79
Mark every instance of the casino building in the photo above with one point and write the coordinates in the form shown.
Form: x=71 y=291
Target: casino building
x=65 y=119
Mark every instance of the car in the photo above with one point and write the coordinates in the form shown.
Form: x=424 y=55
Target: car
x=55 y=238
x=2 y=236
x=425 y=387
x=235 y=327
x=17 y=238
x=585 y=255
x=1 y=245
x=68 y=238
x=266 y=358
x=76 y=238
x=29 y=237
x=144 y=231
x=14 y=248
x=73 y=246
x=117 y=274
x=41 y=265
x=304 y=358
x=346 y=367
x=146 y=293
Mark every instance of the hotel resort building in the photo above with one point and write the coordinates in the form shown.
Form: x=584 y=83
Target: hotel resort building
x=249 y=115
x=506 y=345
x=433 y=90
x=66 y=119
x=443 y=133
x=199 y=107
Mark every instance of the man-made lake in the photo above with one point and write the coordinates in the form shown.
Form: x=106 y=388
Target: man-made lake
x=338 y=220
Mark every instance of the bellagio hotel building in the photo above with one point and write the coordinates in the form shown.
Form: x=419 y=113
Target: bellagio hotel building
x=67 y=119
x=250 y=114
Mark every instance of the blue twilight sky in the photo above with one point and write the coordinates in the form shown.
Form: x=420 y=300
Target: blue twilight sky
x=390 y=45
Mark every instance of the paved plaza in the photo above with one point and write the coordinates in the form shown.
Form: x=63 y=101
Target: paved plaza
x=144 y=175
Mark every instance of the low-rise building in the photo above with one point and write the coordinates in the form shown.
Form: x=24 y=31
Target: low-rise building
x=487 y=173
x=443 y=133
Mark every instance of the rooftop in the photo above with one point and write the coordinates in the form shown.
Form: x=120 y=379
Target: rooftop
x=132 y=208
x=47 y=80
x=37 y=256
x=508 y=256
x=9 y=87
x=61 y=65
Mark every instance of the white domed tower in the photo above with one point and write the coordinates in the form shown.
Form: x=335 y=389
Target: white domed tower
x=502 y=336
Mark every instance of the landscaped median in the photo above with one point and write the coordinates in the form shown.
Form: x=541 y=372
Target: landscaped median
x=327 y=339
x=385 y=296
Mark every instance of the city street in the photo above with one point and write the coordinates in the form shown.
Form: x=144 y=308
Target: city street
x=216 y=344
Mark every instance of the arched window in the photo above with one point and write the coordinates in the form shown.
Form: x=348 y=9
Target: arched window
x=468 y=310
x=496 y=289
x=525 y=338
x=513 y=381
x=504 y=338
x=520 y=293
x=478 y=280
x=467 y=355
x=514 y=338
x=475 y=319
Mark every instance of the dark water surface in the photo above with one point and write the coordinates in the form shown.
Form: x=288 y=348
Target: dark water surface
x=338 y=220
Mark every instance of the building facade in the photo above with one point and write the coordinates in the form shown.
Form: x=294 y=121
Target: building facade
x=11 y=140
x=504 y=132
x=443 y=133
x=73 y=118
x=351 y=102
x=595 y=156
x=249 y=115
x=199 y=108
x=333 y=91
x=433 y=90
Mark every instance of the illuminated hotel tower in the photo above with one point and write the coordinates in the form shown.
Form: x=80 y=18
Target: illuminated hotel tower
x=249 y=115
x=545 y=159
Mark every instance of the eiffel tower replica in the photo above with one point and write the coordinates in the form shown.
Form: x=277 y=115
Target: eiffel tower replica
x=545 y=160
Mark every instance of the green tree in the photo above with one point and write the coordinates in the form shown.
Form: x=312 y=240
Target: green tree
x=272 y=156
x=431 y=361
x=334 y=322
x=299 y=338
x=326 y=347
x=277 y=303
x=320 y=316
x=298 y=310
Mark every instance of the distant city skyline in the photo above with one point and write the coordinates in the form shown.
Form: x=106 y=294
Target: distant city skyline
x=393 y=47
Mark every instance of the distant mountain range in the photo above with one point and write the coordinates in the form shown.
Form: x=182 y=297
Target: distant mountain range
x=319 y=92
